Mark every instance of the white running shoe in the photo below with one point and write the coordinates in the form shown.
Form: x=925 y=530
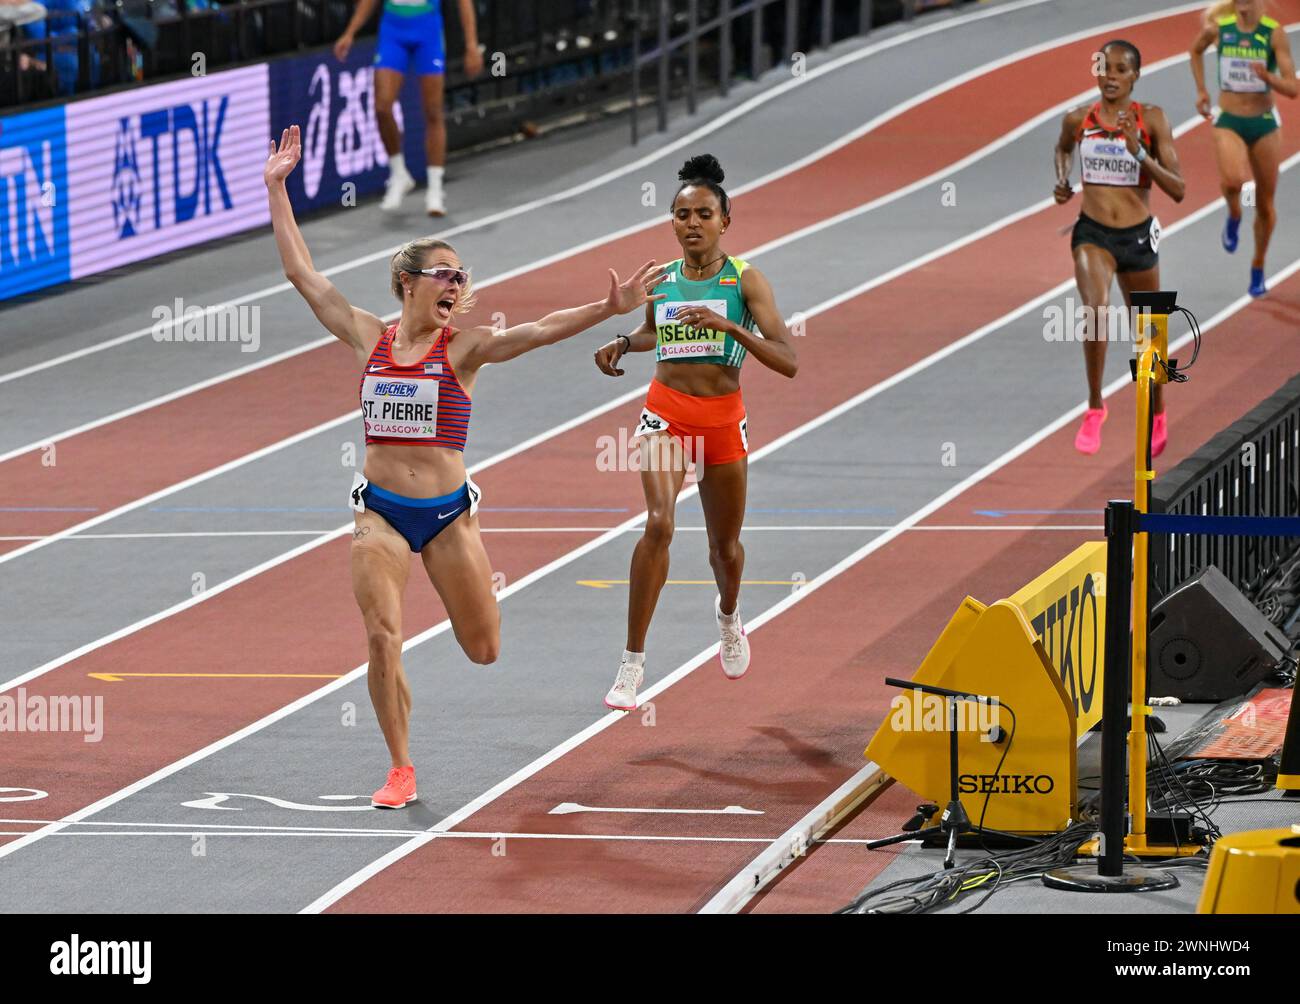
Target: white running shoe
x=433 y=204
x=622 y=696
x=397 y=188
x=734 y=651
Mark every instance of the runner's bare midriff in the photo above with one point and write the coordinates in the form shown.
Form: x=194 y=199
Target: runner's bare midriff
x=418 y=472
x=1247 y=105
x=699 y=379
x=1116 y=207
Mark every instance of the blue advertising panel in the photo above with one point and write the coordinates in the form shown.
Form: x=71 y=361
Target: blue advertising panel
x=35 y=249
x=334 y=105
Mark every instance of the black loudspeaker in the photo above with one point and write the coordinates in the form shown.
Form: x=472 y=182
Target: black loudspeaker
x=1207 y=642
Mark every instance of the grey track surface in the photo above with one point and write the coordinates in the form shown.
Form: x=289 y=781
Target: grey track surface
x=476 y=726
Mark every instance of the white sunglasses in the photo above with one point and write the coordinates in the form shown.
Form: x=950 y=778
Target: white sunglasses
x=459 y=276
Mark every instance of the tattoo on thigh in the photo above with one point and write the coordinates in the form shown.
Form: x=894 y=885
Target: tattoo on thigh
x=360 y=532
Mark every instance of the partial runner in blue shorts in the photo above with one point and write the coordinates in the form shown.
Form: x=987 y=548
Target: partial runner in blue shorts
x=411 y=40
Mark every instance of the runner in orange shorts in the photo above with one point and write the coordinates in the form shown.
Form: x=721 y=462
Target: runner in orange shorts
x=701 y=333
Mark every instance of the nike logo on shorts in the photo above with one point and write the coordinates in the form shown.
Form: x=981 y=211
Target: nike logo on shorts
x=444 y=515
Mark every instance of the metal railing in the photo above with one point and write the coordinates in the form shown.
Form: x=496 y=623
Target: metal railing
x=561 y=54
x=1251 y=468
x=147 y=40
x=703 y=33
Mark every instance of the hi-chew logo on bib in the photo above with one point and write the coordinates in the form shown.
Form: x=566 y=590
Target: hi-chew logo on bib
x=1106 y=161
x=681 y=341
x=395 y=388
x=400 y=409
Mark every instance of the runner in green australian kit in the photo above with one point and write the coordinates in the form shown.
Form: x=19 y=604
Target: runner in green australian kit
x=1254 y=60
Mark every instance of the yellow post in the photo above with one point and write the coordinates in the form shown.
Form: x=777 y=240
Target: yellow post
x=1152 y=327
x=1153 y=349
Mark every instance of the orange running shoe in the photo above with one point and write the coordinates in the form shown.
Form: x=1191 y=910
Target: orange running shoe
x=397 y=791
x=1159 y=434
x=1088 y=439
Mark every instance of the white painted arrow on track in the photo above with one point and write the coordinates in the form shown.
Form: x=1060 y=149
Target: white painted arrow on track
x=215 y=799
x=565 y=808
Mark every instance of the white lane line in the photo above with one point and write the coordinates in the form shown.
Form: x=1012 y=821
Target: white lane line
x=661 y=152
x=127 y=828
x=208 y=832
x=215 y=826
x=810 y=528
x=534 y=576
x=162 y=535
x=646 y=224
x=569 y=808
x=440 y=829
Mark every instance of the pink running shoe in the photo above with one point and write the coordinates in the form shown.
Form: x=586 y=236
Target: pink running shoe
x=1088 y=439
x=397 y=791
x=1159 y=434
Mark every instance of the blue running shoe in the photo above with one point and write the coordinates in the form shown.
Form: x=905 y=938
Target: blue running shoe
x=1257 y=287
x=1230 y=234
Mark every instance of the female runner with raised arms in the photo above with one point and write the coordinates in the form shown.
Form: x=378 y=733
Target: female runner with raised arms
x=415 y=497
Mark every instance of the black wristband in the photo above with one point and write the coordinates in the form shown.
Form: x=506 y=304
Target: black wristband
x=628 y=340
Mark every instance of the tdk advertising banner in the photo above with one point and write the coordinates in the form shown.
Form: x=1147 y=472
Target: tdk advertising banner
x=158 y=168
x=34 y=243
x=106 y=181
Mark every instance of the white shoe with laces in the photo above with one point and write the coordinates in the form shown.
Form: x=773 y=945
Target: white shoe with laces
x=622 y=696
x=397 y=188
x=734 y=650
